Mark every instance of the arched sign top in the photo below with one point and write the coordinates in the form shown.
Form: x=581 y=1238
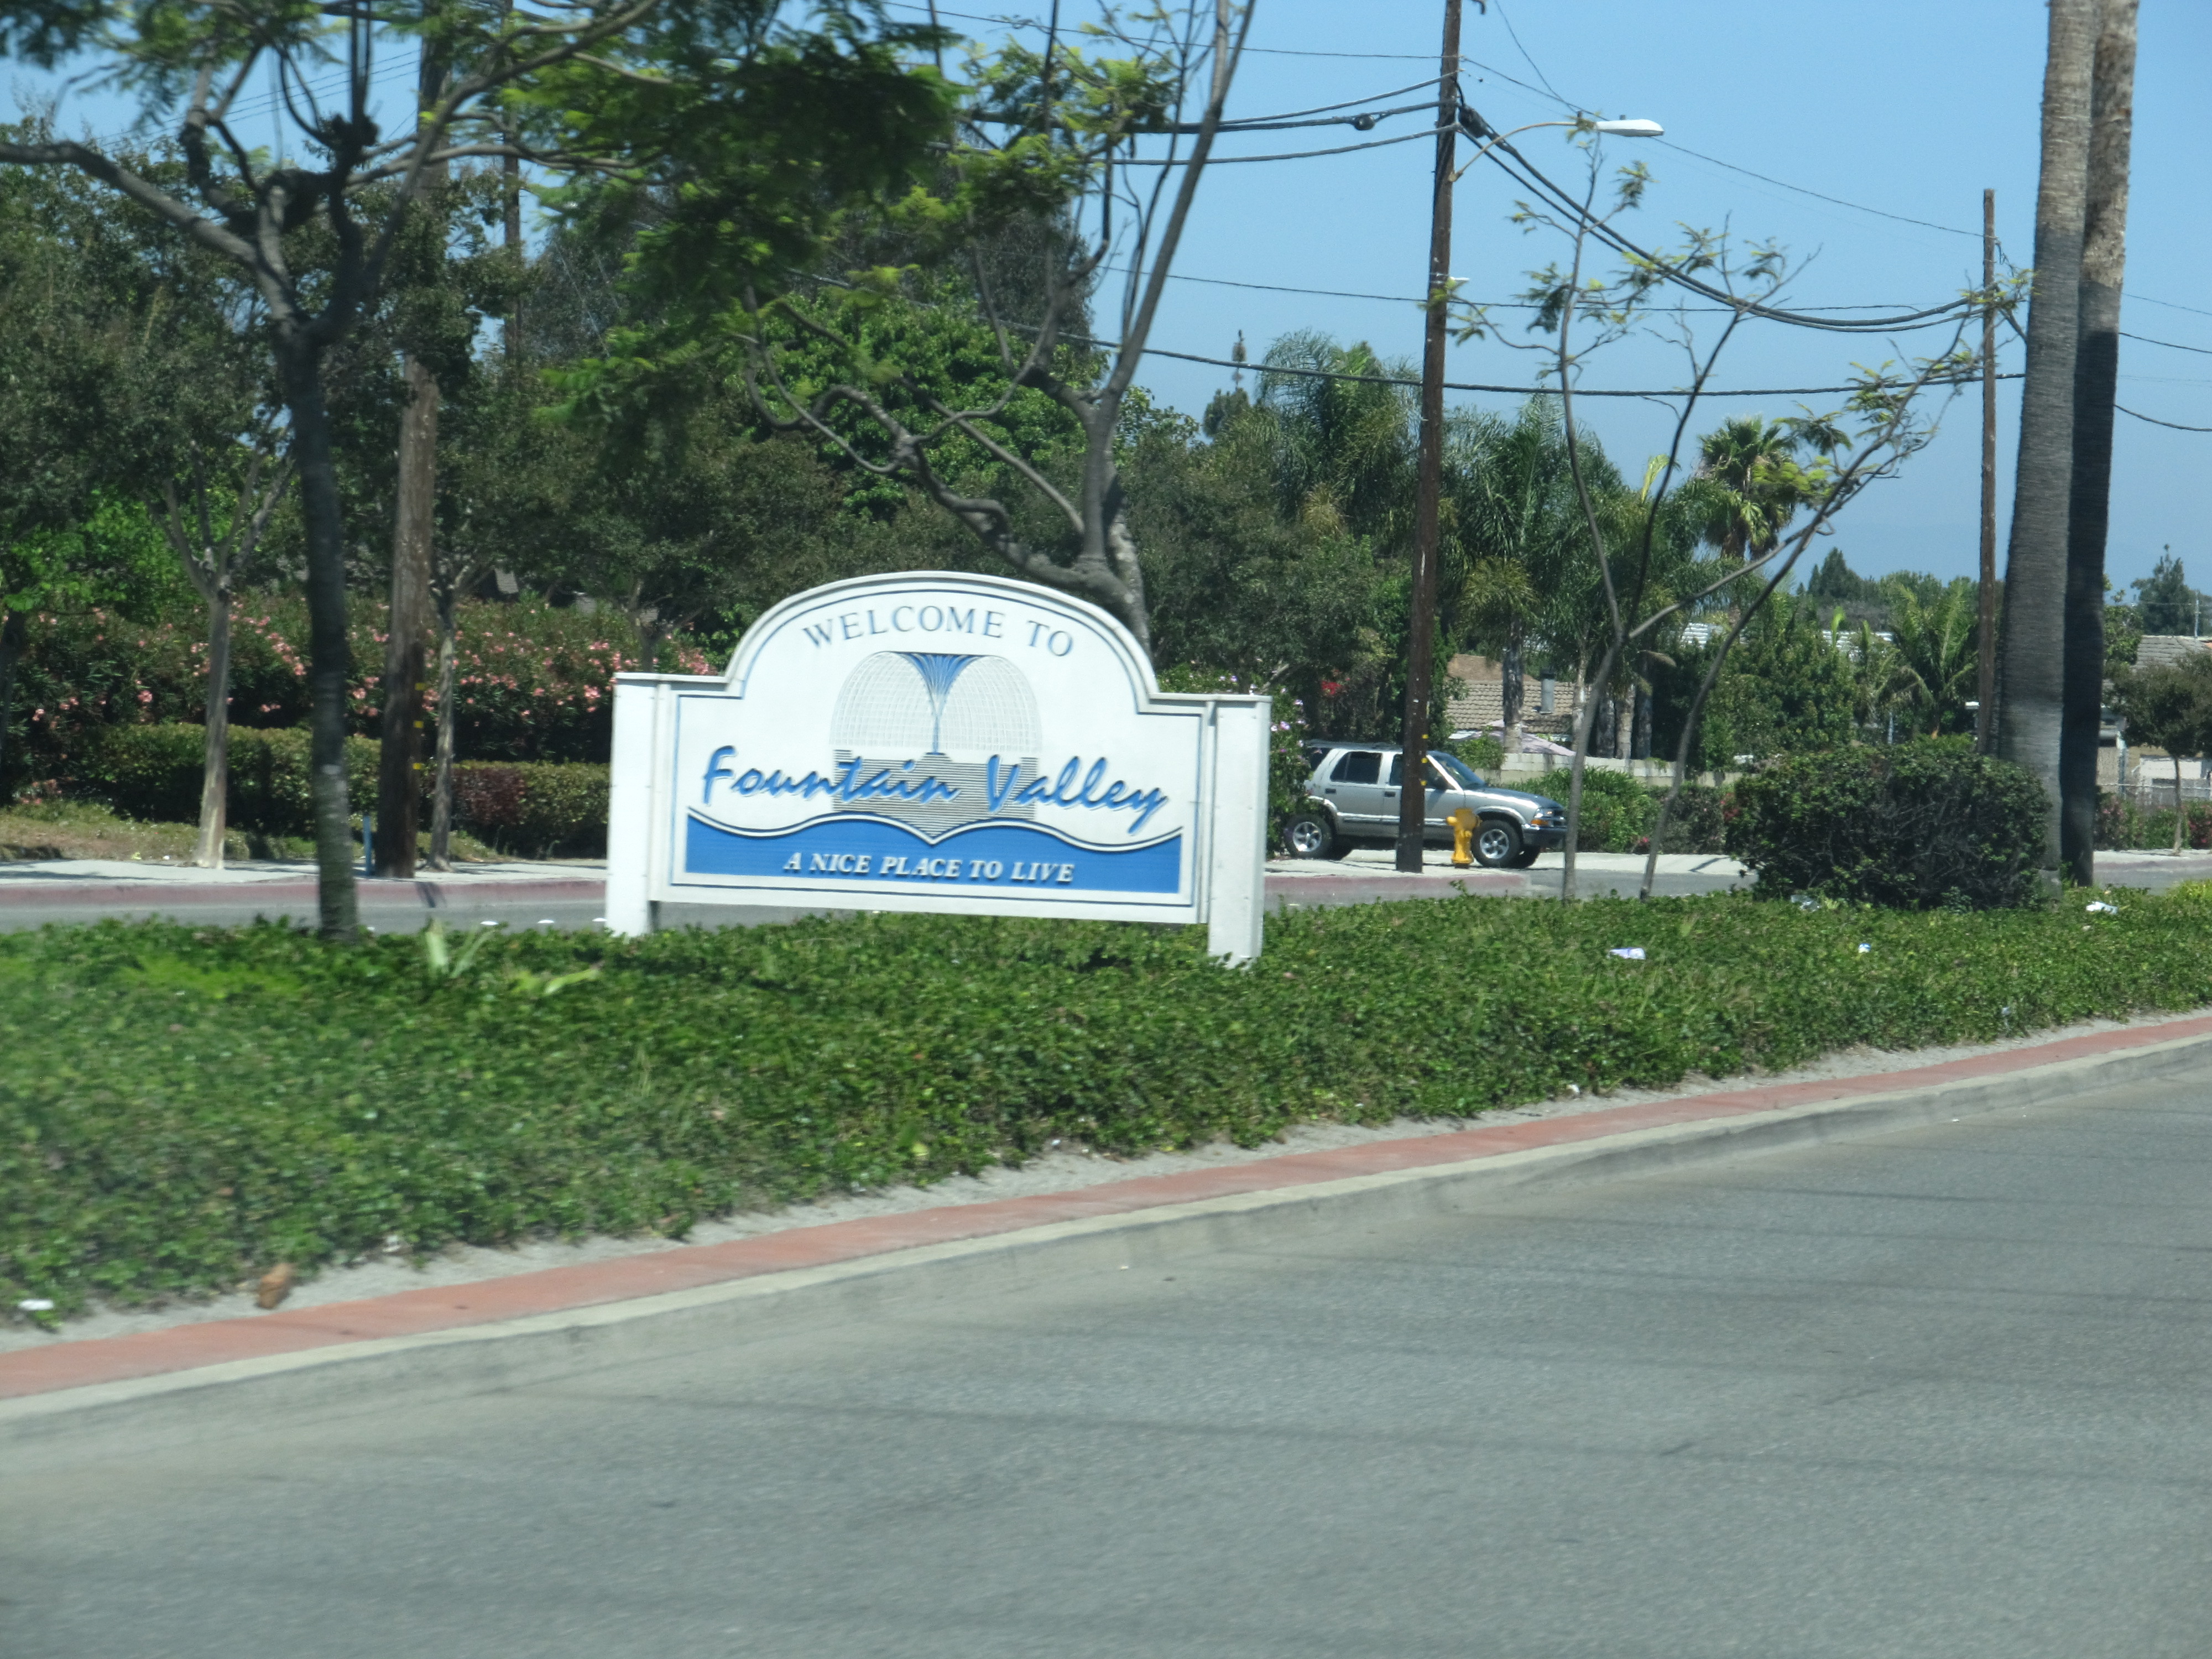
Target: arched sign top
x=932 y=740
x=944 y=613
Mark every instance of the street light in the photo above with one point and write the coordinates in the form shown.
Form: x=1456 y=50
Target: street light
x=1454 y=117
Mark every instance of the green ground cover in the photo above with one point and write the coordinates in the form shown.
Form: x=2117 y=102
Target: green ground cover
x=180 y=1109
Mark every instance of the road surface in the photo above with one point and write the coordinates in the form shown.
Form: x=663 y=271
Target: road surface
x=1936 y=1395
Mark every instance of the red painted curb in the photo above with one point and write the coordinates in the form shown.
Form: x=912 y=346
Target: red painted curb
x=431 y=894
x=559 y=1290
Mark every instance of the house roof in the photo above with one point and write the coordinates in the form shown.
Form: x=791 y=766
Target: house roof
x=2166 y=650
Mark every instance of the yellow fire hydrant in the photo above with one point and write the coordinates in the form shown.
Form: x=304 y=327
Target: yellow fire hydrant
x=1463 y=821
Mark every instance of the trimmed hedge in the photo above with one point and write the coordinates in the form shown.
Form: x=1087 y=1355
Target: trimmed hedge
x=1618 y=813
x=536 y=810
x=1919 y=826
x=154 y=772
x=184 y=1108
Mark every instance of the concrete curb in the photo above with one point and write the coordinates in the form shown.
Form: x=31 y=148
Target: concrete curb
x=1351 y=889
x=327 y=1358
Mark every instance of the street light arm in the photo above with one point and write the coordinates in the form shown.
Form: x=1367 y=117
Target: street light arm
x=1480 y=129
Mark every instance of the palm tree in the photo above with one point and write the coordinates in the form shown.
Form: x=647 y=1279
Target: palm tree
x=1516 y=532
x=1753 y=484
x=2104 y=259
x=1345 y=449
x=2032 y=649
x=1937 y=664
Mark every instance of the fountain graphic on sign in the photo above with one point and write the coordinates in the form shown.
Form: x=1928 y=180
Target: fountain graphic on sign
x=899 y=709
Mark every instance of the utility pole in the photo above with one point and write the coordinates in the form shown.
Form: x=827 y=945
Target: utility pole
x=1420 y=666
x=1985 y=715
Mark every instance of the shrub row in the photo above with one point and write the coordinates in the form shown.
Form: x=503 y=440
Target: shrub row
x=2122 y=824
x=535 y=681
x=182 y=1108
x=1921 y=824
x=154 y=772
x=1619 y=813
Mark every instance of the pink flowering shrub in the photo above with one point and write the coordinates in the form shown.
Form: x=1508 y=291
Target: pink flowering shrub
x=534 y=682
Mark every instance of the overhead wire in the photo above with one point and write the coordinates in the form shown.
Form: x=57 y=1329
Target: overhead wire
x=1521 y=169
x=1293 y=156
x=1969 y=378
x=2154 y=420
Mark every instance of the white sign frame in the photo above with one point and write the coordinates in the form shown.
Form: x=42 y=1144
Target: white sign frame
x=693 y=820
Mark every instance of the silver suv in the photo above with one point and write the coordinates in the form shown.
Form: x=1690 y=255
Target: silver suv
x=1351 y=800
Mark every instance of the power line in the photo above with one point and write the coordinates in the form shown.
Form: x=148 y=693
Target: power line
x=1535 y=68
x=2198 y=311
x=1293 y=156
x=1521 y=169
x=1856 y=207
x=2172 y=345
x=1414 y=300
x=1541 y=92
x=2154 y=421
x=1512 y=391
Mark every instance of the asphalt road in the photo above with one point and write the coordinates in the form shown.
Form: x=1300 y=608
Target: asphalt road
x=1939 y=1395
x=397 y=906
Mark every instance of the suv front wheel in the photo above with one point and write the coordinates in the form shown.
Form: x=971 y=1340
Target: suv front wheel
x=1309 y=834
x=1497 y=844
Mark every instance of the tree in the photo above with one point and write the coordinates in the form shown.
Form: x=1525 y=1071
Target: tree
x=1071 y=124
x=447 y=278
x=2165 y=602
x=2031 y=661
x=80 y=304
x=611 y=88
x=2170 y=708
x=1756 y=484
x=1234 y=583
x=1639 y=598
x=2096 y=375
x=1834 y=585
x=1937 y=664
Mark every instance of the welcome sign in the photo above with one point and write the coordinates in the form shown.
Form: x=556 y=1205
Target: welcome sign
x=938 y=742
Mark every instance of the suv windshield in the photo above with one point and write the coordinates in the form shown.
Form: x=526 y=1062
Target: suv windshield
x=1456 y=769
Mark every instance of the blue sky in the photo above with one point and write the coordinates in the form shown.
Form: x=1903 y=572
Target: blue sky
x=1909 y=108
x=1912 y=109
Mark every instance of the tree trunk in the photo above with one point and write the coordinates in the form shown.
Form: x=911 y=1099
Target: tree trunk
x=399 y=770
x=13 y=633
x=1511 y=693
x=2096 y=378
x=2033 y=637
x=441 y=803
x=330 y=661
x=2180 y=811
x=215 y=775
x=1624 y=716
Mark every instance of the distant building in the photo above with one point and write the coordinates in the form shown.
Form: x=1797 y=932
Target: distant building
x=1546 y=706
x=2168 y=650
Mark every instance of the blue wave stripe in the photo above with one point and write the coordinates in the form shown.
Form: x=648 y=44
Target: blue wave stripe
x=1023 y=858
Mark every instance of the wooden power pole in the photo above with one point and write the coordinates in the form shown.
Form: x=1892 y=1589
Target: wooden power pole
x=1985 y=715
x=1421 y=666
